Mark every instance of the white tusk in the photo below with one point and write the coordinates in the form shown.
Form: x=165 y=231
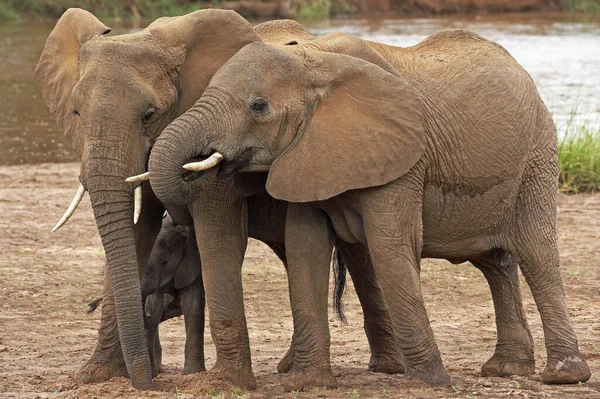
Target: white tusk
x=138 y=178
x=137 y=204
x=71 y=209
x=208 y=163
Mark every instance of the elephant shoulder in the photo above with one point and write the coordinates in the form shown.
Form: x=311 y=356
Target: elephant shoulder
x=461 y=42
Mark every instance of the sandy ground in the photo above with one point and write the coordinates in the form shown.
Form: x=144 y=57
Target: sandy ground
x=46 y=334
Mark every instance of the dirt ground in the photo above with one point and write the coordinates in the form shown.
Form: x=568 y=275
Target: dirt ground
x=47 y=279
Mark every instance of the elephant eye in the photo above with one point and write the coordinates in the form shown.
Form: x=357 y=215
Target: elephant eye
x=259 y=105
x=148 y=114
x=75 y=112
x=163 y=264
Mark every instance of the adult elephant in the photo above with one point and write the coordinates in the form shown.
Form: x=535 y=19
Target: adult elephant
x=443 y=149
x=113 y=96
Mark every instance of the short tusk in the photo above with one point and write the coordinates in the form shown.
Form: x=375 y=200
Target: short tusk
x=208 y=163
x=138 y=178
x=137 y=204
x=71 y=209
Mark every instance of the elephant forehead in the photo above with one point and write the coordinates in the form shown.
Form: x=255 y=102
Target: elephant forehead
x=131 y=51
x=260 y=61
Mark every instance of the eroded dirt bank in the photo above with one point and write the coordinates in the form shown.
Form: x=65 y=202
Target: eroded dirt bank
x=46 y=335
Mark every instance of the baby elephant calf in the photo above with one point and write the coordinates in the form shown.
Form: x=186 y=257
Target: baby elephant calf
x=172 y=286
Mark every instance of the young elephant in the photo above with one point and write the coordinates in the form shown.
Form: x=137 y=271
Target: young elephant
x=171 y=286
x=442 y=150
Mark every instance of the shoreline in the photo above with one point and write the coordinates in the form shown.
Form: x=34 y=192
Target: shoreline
x=303 y=10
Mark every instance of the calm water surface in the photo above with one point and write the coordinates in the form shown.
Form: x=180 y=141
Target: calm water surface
x=562 y=55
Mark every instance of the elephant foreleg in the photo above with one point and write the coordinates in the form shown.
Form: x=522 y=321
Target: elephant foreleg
x=514 y=347
x=107 y=360
x=193 y=304
x=221 y=234
x=153 y=310
x=395 y=243
x=386 y=356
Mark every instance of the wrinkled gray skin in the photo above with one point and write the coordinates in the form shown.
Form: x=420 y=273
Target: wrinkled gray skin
x=442 y=150
x=113 y=96
x=171 y=286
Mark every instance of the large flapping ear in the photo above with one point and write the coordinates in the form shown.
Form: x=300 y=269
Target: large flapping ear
x=283 y=32
x=209 y=38
x=57 y=70
x=366 y=130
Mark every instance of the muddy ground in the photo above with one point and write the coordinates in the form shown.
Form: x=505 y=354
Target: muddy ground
x=47 y=279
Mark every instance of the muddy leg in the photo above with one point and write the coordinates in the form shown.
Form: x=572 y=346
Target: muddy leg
x=537 y=250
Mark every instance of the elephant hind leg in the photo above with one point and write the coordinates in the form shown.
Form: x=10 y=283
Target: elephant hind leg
x=536 y=246
x=514 y=348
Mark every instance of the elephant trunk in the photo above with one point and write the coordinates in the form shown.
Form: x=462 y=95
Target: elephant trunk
x=112 y=203
x=181 y=142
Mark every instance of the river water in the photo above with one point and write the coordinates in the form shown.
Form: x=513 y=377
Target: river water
x=562 y=54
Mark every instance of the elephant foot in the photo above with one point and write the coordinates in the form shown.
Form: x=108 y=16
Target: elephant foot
x=287 y=362
x=386 y=364
x=242 y=378
x=569 y=369
x=156 y=369
x=98 y=372
x=431 y=374
x=309 y=377
x=505 y=366
x=192 y=366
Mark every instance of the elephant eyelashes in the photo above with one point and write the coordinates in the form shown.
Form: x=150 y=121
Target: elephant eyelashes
x=148 y=115
x=259 y=105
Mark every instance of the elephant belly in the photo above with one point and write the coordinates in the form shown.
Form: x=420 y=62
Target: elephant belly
x=459 y=226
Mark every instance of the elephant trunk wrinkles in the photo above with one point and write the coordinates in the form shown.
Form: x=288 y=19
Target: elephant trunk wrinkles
x=111 y=200
x=181 y=141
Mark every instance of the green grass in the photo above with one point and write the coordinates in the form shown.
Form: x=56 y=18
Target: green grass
x=7 y=13
x=579 y=158
x=585 y=6
x=13 y=9
x=313 y=9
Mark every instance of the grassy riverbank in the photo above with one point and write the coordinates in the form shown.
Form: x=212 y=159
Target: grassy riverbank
x=301 y=9
x=579 y=159
x=120 y=9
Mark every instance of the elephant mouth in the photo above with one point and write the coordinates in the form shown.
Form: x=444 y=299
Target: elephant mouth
x=199 y=165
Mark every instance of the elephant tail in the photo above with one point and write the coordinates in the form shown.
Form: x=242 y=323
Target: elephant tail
x=339 y=283
x=93 y=304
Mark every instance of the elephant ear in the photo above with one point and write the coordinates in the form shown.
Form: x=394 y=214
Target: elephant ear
x=189 y=268
x=208 y=38
x=340 y=43
x=283 y=32
x=57 y=70
x=366 y=129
